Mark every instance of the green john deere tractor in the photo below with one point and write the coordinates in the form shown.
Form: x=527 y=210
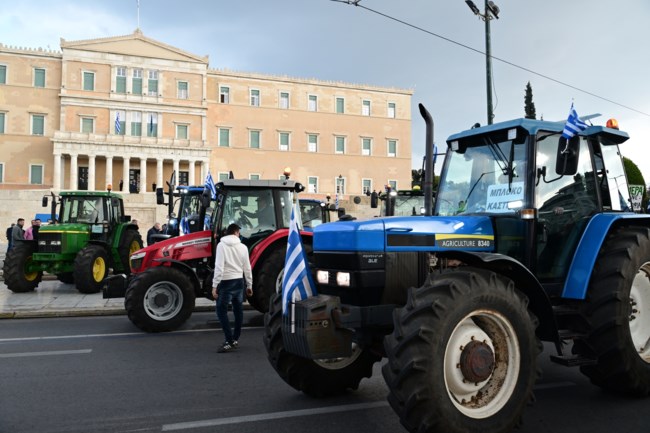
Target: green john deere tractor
x=90 y=236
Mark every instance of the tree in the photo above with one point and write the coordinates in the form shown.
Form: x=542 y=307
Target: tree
x=529 y=106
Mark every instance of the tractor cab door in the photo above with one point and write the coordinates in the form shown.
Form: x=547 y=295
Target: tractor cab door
x=567 y=196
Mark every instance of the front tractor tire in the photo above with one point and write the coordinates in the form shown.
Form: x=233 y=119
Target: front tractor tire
x=463 y=355
x=618 y=313
x=17 y=278
x=316 y=378
x=90 y=268
x=130 y=243
x=159 y=299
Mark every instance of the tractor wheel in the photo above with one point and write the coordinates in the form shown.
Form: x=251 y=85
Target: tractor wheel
x=65 y=277
x=159 y=299
x=16 y=277
x=317 y=378
x=617 y=310
x=90 y=268
x=130 y=243
x=463 y=354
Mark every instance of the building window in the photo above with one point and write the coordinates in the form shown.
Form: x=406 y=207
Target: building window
x=153 y=83
x=284 y=100
x=223 y=176
x=254 y=139
x=3 y=74
x=391 y=110
x=35 y=174
x=87 y=125
x=340 y=144
x=2 y=123
x=136 y=124
x=392 y=147
x=255 y=98
x=224 y=95
x=120 y=123
x=312 y=103
x=120 y=80
x=224 y=137
x=365 y=107
x=366 y=186
x=340 y=185
x=136 y=83
x=312 y=183
x=340 y=105
x=181 y=131
x=312 y=142
x=152 y=127
x=89 y=81
x=39 y=77
x=392 y=184
x=254 y=176
x=284 y=141
x=366 y=146
x=182 y=90
x=38 y=124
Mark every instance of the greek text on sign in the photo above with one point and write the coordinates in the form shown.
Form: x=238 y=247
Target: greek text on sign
x=498 y=196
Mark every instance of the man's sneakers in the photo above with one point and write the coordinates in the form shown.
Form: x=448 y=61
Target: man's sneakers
x=228 y=347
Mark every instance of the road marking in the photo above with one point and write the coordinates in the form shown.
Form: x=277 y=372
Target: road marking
x=552 y=385
x=272 y=415
x=50 y=353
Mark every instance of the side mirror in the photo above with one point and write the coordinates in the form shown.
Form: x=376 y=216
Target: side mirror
x=44 y=201
x=206 y=198
x=160 y=196
x=126 y=218
x=568 y=151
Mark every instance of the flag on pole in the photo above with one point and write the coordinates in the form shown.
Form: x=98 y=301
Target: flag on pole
x=209 y=183
x=573 y=124
x=336 y=200
x=150 y=124
x=297 y=282
x=118 y=129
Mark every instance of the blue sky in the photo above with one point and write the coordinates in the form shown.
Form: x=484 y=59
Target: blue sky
x=595 y=45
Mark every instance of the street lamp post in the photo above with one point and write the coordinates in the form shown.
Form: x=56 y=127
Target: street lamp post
x=491 y=11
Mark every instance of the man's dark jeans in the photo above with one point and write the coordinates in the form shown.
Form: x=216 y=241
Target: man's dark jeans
x=231 y=291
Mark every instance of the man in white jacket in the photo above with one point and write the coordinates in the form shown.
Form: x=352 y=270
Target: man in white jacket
x=232 y=273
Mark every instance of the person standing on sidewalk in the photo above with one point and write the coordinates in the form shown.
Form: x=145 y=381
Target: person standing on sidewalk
x=10 y=230
x=232 y=273
x=17 y=233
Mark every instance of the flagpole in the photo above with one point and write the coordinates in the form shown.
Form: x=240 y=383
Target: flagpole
x=138 y=2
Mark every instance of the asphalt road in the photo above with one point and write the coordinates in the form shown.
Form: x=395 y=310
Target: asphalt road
x=101 y=374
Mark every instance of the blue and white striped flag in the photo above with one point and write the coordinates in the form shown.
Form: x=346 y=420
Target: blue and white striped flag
x=118 y=129
x=336 y=200
x=573 y=124
x=209 y=183
x=297 y=282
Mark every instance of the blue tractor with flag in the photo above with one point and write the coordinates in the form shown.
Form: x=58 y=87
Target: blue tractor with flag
x=531 y=240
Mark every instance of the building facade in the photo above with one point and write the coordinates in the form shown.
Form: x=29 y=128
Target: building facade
x=129 y=111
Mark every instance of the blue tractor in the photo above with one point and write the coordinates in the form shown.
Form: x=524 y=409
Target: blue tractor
x=531 y=240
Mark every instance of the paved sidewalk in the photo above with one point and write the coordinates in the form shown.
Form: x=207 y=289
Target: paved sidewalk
x=53 y=298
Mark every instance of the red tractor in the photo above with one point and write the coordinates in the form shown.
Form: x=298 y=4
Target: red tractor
x=167 y=276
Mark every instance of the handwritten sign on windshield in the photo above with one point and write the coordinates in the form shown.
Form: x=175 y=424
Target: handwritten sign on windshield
x=498 y=196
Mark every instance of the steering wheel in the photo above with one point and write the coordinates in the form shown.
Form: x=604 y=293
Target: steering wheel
x=243 y=220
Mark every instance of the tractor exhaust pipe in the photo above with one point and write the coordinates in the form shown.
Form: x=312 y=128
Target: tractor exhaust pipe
x=428 y=161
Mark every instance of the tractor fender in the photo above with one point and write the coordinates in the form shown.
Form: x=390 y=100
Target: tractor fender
x=525 y=281
x=184 y=268
x=261 y=250
x=584 y=259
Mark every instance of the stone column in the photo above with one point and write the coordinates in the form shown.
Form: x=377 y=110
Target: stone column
x=205 y=168
x=143 y=175
x=125 y=175
x=74 y=175
x=109 y=172
x=159 y=173
x=192 y=179
x=91 y=173
x=177 y=169
x=56 y=180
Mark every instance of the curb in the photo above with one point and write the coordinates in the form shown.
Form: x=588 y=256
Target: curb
x=37 y=314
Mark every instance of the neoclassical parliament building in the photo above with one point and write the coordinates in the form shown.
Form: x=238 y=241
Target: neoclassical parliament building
x=130 y=110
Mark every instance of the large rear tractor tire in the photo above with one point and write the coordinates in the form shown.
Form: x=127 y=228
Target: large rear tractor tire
x=130 y=243
x=268 y=280
x=463 y=355
x=159 y=299
x=17 y=278
x=317 y=378
x=90 y=268
x=617 y=310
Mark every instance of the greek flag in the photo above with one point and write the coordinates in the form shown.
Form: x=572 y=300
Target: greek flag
x=150 y=123
x=573 y=124
x=118 y=130
x=209 y=184
x=336 y=200
x=297 y=282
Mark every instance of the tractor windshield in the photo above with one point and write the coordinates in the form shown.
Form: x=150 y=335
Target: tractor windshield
x=486 y=178
x=82 y=210
x=257 y=211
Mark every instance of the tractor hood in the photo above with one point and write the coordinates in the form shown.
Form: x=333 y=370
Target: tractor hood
x=434 y=233
x=67 y=228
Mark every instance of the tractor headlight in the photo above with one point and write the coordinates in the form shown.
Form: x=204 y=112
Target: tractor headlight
x=322 y=277
x=343 y=279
